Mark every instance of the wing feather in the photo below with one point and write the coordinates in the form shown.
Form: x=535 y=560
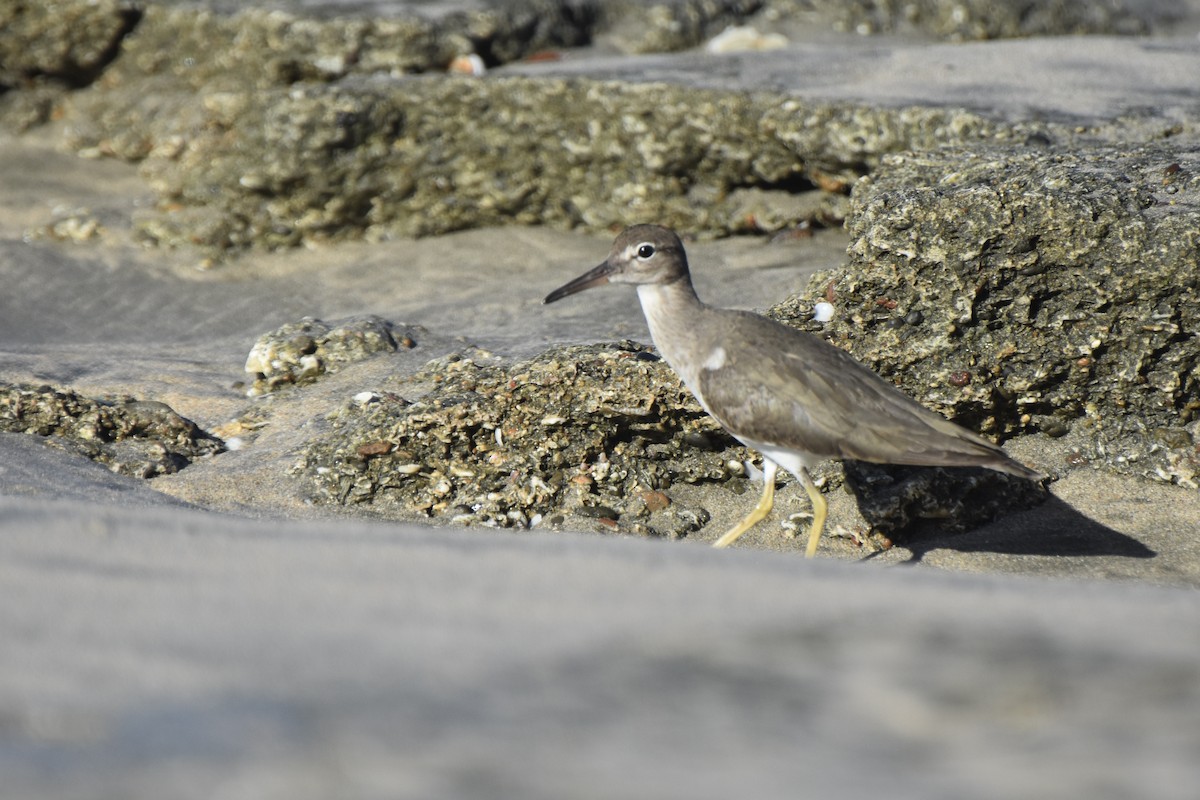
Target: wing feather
x=785 y=387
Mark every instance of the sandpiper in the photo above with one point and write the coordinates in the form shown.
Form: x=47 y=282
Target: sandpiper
x=791 y=396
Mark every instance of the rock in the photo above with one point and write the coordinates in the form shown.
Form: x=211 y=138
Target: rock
x=1024 y=290
x=656 y=27
x=46 y=49
x=902 y=502
x=743 y=38
x=475 y=447
x=133 y=437
x=67 y=40
x=269 y=129
x=181 y=58
x=416 y=157
x=594 y=435
x=964 y=20
x=300 y=352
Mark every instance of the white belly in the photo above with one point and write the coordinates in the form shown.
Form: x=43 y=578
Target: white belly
x=791 y=460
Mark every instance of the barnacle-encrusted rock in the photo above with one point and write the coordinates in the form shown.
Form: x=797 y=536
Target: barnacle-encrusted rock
x=70 y=40
x=300 y=352
x=422 y=156
x=134 y=437
x=600 y=432
x=47 y=48
x=636 y=26
x=269 y=129
x=1028 y=290
x=181 y=57
x=960 y=20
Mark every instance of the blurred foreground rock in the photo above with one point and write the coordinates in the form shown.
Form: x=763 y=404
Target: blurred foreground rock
x=271 y=127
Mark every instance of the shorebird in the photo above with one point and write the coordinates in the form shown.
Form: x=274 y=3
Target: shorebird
x=791 y=396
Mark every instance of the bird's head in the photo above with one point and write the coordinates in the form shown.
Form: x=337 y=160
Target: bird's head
x=642 y=254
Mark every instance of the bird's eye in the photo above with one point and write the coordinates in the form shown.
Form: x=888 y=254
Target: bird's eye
x=645 y=251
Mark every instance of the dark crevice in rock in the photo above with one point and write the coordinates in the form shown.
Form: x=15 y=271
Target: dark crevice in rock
x=84 y=75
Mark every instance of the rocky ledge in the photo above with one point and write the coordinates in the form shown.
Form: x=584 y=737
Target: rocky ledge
x=1030 y=289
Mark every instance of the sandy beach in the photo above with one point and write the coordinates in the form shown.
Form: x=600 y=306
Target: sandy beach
x=217 y=632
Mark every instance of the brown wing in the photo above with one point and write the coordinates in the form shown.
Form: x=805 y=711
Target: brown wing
x=785 y=387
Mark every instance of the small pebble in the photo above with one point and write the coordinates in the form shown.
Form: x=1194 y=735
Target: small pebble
x=822 y=312
x=655 y=501
x=743 y=38
x=467 y=65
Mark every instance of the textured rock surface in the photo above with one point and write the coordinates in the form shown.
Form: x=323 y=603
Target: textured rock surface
x=48 y=48
x=132 y=437
x=425 y=156
x=597 y=432
x=655 y=27
x=1033 y=290
x=960 y=20
x=300 y=352
x=70 y=41
x=254 y=137
x=903 y=503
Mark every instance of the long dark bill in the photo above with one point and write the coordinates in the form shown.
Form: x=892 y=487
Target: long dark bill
x=593 y=277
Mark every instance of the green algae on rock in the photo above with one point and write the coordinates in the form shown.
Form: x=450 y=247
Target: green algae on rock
x=133 y=437
x=1021 y=291
x=598 y=432
x=300 y=352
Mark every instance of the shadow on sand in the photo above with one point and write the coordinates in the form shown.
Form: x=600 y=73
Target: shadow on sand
x=978 y=511
x=1052 y=529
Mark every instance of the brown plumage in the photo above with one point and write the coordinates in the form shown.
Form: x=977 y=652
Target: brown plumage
x=790 y=395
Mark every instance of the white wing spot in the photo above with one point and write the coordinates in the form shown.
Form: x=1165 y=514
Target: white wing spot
x=716 y=359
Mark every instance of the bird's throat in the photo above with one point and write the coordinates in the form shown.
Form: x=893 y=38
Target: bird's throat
x=672 y=310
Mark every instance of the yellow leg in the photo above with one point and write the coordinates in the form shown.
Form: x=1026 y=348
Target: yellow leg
x=820 y=510
x=761 y=510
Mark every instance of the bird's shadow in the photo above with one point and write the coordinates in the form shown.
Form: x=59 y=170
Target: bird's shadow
x=975 y=510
